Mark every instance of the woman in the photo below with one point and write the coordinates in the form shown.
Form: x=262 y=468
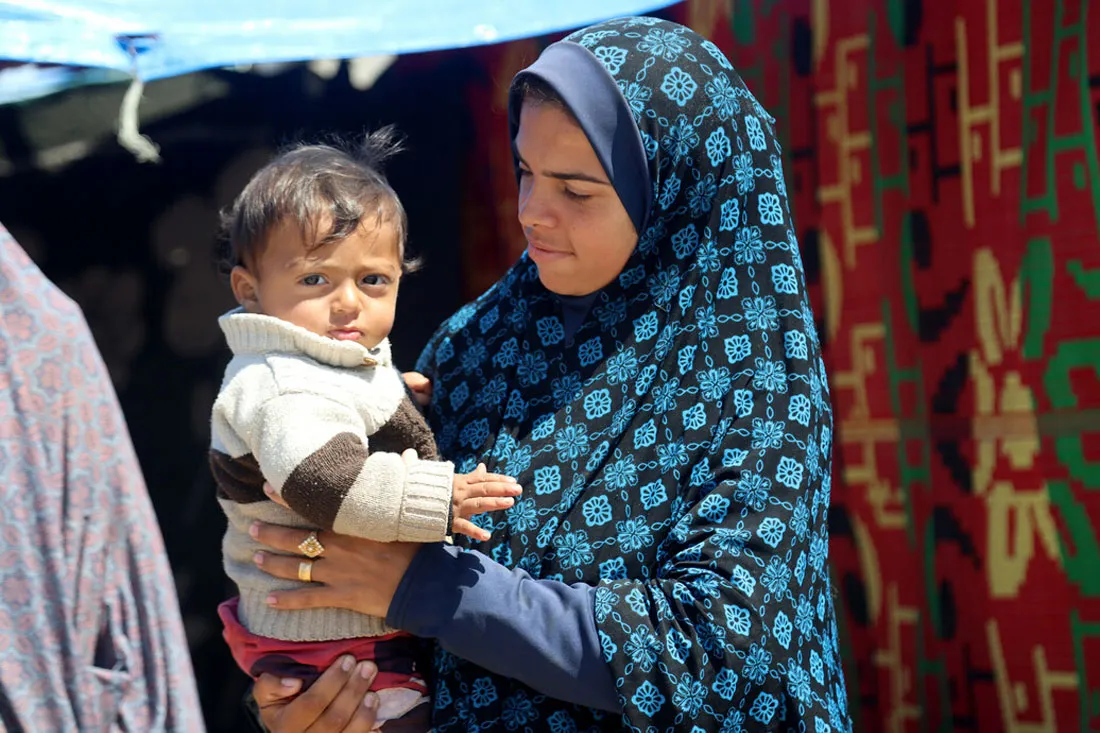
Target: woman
x=650 y=372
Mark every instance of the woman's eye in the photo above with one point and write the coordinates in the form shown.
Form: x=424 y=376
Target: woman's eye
x=313 y=280
x=577 y=196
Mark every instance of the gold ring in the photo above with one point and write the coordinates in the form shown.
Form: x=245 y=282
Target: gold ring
x=311 y=547
x=305 y=571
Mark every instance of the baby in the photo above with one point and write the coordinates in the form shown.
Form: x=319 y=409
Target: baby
x=312 y=403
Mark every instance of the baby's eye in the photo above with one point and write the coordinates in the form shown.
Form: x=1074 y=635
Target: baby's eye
x=375 y=280
x=313 y=280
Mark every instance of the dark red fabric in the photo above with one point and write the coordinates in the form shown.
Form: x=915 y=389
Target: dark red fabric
x=396 y=655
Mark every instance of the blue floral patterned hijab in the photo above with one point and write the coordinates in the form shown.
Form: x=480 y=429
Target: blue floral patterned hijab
x=675 y=451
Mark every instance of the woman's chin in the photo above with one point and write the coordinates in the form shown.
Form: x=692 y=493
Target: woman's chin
x=552 y=280
x=561 y=281
x=559 y=285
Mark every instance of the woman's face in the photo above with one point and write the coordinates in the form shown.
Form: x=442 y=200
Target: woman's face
x=578 y=232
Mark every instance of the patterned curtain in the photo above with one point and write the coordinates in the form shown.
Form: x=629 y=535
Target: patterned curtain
x=943 y=159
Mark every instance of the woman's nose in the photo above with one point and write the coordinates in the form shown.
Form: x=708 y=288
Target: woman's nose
x=534 y=210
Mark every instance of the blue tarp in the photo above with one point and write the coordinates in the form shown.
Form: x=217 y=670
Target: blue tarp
x=160 y=38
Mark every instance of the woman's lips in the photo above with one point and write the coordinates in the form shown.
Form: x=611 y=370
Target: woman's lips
x=540 y=253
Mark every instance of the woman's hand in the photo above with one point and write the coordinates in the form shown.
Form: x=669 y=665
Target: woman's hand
x=420 y=386
x=337 y=702
x=358 y=574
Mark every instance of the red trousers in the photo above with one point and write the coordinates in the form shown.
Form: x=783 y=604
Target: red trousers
x=396 y=656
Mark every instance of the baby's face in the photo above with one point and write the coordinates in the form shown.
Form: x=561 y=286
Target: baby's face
x=346 y=290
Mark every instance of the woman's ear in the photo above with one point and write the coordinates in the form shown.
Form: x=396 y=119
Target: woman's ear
x=243 y=284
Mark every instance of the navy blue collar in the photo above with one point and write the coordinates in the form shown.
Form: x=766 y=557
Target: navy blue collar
x=574 y=310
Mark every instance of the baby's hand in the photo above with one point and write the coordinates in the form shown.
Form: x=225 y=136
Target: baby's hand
x=479 y=492
x=420 y=386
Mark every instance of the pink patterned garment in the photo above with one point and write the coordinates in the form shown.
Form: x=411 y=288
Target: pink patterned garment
x=90 y=630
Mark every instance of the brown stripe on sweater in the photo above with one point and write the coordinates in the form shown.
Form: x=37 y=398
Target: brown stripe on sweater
x=238 y=479
x=317 y=487
x=405 y=429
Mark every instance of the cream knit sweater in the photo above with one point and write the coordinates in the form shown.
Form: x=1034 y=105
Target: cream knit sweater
x=325 y=422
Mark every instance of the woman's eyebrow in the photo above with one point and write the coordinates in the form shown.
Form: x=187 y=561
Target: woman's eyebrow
x=568 y=175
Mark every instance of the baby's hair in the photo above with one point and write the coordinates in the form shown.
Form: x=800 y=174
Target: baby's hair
x=334 y=185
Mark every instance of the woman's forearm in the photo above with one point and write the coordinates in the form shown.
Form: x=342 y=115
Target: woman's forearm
x=540 y=632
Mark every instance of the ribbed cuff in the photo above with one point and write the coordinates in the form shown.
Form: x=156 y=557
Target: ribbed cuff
x=426 y=505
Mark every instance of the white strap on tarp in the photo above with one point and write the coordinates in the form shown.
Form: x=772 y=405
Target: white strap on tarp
x=143 y=148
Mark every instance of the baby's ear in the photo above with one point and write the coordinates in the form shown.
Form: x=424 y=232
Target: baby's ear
x=244 y=288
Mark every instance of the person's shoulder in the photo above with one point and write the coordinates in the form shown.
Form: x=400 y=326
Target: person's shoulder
x=248 y=379
x=38 y=315
x=371 y=392
x=494 y=302
x=254 y=382
x=503 y=302
x=278 y=373
x=300 y=374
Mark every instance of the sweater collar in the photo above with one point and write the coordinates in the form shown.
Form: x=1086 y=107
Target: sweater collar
x=254 y=333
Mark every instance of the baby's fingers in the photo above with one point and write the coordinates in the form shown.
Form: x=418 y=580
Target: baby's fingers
x=470 y=507
x=492 y=488
x=468 y=528
x=481 y=476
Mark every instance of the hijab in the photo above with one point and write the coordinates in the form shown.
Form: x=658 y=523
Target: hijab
x=675 y=448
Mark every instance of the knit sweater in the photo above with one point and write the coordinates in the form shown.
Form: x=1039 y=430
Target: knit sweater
x=325 y=422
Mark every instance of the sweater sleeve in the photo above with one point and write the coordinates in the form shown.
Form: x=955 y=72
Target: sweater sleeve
x=540 y=632
x=313 y=450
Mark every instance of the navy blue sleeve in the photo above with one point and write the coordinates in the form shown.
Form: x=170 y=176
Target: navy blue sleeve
x=540 y=632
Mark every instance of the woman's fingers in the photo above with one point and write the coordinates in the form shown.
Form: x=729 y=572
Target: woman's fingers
x=365 y=716
x=304 y=712
x=353 y=573
x=337 y=702
x=271 y=689
x=353 y=710
x=286 y=539
x=314 y=595
x=269 y=490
